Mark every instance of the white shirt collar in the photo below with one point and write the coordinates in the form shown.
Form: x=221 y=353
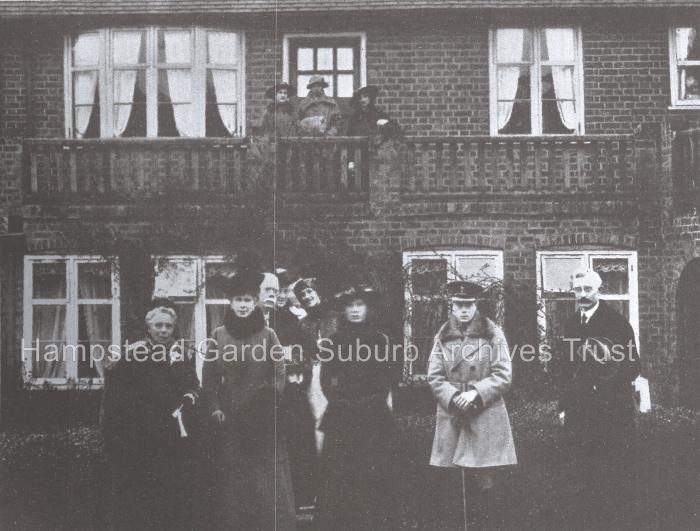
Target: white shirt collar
x=589 y=313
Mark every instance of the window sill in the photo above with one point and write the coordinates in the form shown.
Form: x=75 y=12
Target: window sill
x=693 y=107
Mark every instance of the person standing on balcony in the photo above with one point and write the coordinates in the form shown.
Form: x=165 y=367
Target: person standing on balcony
x=280 y=119
x=367 y=119
x=149 y=451
x=595 y=371
x=358 y=462
x=469 y=372
x=243 y=381
x=319 y=114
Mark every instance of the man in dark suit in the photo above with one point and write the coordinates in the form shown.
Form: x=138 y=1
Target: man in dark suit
x=598 y=364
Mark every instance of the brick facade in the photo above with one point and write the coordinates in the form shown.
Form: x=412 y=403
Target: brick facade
x=433 y=77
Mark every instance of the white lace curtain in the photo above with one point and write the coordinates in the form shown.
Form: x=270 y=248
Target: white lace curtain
x=85 y=54
x=560 y=47
x=685 y=38
x=509 y=50
x=178 y=50
x=126 y=51
x=222 y=47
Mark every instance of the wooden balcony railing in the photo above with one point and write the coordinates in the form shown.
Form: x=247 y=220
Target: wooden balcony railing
x=686 y=169
x=228 y=168
x=537 y=165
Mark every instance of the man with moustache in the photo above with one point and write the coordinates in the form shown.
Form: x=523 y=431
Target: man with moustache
x=597 y=366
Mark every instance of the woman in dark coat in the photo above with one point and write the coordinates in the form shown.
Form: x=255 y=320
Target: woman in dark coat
x=357 y=470
x=367 y=119
x=243 y=381
x=149 y=452
x=280 y=117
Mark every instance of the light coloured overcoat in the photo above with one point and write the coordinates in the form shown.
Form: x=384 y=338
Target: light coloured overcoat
x=479 y=359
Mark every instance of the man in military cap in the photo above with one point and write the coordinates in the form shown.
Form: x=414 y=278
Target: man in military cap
x=595 y=370
x=469 y=372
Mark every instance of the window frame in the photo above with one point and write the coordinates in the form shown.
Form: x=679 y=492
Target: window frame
x=199 y=298
x=71 y=301
x=535 y=79
x=199 y=69
x=588 y=255
x=674 y=65
x=287 y=47
x=452 y=255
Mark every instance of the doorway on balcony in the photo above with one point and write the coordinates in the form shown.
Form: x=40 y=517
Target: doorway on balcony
x=688 y=300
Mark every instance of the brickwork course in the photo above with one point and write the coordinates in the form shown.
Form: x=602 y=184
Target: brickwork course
x=433 y=76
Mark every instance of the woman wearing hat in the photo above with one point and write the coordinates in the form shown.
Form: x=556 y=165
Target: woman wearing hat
x=279 y=118
x=357 y=488
x=469 y=372
x=243 y=380
x=367 y=119
x=319 y=114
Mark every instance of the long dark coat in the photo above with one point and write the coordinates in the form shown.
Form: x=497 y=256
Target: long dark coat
x=599 y=408
x=477 y=358
x=358 y=466
x=280 y=120
x=300 y=423
x=151 y=465
x=255 y=491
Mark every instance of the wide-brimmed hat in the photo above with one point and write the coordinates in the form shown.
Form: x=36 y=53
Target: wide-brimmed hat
x=362 y=291
x=370 y=90
x=304 y=283
x=245 y=283
x=316 y=80
x=461 y=290
x=284 y=276
x=274 y=89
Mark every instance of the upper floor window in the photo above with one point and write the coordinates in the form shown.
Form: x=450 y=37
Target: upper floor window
x=155 y=82
x=536 y=81
x=338 y=58
x=71 y=319
x=685 y=66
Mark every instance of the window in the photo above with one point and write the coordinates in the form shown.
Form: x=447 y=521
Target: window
x=684 y=52
x=153 y=81
x=71 y=318
x=197 y=285
x=426 y=274
x=618 y=269
x=536 y=81
x=339 y=58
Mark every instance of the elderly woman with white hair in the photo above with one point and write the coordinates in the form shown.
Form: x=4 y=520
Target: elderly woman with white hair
x=146 y=443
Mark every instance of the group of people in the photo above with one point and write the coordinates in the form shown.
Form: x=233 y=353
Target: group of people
x=315 y=428
x=318 y=114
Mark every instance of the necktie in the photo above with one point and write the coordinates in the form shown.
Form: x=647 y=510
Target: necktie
x=584 y=318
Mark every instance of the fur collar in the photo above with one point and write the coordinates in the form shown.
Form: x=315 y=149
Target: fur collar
x=479 y=326
x=243 y=327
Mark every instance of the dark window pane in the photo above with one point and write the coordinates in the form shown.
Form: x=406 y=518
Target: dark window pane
x=689 y=83
x=514 y=100
x=49 y=281
x=558 y=103
x=95 y=280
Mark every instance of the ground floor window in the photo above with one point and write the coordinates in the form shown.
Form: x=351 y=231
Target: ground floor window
x=71 y=318
x=618 y=270
x=426 y=273
x=197 y=286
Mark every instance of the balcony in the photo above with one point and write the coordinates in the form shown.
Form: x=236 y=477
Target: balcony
x=114 y=170
x=490 y=166
x=340 y=170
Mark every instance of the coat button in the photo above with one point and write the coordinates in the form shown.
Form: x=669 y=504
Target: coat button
x=472 y=368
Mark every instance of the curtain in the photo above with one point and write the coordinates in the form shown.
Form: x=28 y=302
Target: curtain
x=177 y=50
x=49 y=327
x=560 y=47
x=94 y=283
x=127 y=46
x=221 y=47
x=509 y=48
x=685 y=37
x=86 y=48
x=84 y=90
